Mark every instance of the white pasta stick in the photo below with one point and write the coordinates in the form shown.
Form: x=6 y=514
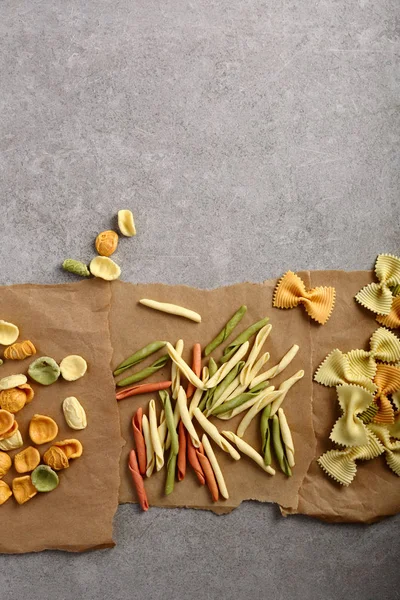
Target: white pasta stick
x=258 y=366
x=198 y=393
x=150 y=461
x=228 y=366
x=255 y=351
x=215 y=466
x=248 y=451
x=239 y=390
x=286 y=437
x=275 y=370
x=162 y=429
x=186 y=418
x=184 y=367
x=172 y=309
x=263 y=399
x=230 y=389
x=155 y=438
x=215 y=434
x=285 y=387
x=175 y=372
x=243 y=407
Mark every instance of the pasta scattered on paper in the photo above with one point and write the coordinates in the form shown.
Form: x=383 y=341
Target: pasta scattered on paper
x=378 y=297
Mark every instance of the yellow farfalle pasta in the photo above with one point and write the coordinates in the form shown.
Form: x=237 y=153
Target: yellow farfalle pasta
x=335 y=370
x=349 y=430
x=20 y=350
x=392 y=320
x=387 y=379
x=378 y=297
x=392 y=449
x=291 y=291
x=384 y=346
x=341 y=464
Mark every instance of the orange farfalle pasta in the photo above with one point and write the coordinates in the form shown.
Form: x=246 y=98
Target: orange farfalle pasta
x=392 y=320
x=387 y=379
x=291 y=291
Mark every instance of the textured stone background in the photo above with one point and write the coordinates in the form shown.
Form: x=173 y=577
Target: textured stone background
x=248 y=137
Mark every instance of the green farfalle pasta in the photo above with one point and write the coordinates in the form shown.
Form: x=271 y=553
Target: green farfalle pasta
x=76 y=266
x=378 y=297
x=335 y=370
x=242 y=338
x=144 y=373
x=349 y=430
x=384 y=346
x=226 y=331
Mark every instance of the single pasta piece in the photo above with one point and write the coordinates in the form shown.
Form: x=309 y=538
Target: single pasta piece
x=208 y=473
x=138 y=356
x=26 y=460
x=246 y=373
x=285 y=387
x=143 y=388
x=215 y=466
x=228 y=366
x=74 y=413
x=73 y=367
x=171 y=468
x=8 y=333
x=105 y=268
x=42 y=429
x=5 y=464
x=139 y=439
x=106 y=242
x=12 y=381
x=172 y=309
x=23 y=489
x=194 y=461
x=279 y=448
x=290 y=291
x=138 y=481
x=20 y=350
x=248 y=451
x=378 y=297
x=196 y=368
x=245 y=405
x=184 y=367
x=169 y=417
x=12 y=443
x=275 y=370
x=226 y=331
x=150 y=461
x=186 y=418
x=162 y=429
x=286 y=437
x=215 y=434
x=146 y=372
x=126 y=223
x=175 y=372
x=181 y=461
x=5 y=492
x=155 y=439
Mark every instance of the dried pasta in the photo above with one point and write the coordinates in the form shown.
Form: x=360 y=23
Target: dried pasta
x=387 y=379
x=378 y=297
x=246 y=373
x=198 y=393
x=263 y=399
x=335 y=370
x=248 y=451
x=214 y=434
x=172 y=309
x=155 y=438
x=384 y=346
x=175 y=372
x=285 y=387
x=392 y=449
x=150 y=460
x=349 y=430
x=186 y=418
x=391 y=320
x=286 y=437
x=224 y=369
x=291 y=291
x=184 y=367
x=215 y=466
x=276 y=369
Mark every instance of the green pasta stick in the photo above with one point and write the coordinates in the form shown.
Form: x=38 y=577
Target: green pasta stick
x=212 y=369
x=171 y=469
x=278 y=447
x=138 y=356
x=221 y=387
x=226 y=331
x=266 y=435
x=169 y=418
x=144 y=373
x=239 y=400
x=242 y=338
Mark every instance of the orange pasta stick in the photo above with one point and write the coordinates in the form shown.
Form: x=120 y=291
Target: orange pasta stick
x=143 y=388
x=196 y=368
x=208 y=473
x=181 y=462
x=194 y=461
x=138 y=481
x=139 y=439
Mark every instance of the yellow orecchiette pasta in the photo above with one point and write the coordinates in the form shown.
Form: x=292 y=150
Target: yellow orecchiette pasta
x=42 y=429
x=8 y=333
x=56 y=458
x=12 y=443
x=126 y=223
x=26 y=460
x=12 y=381
x=73 y=367
x=5 y=464
x=106 y=242
x=105 y=268
x=23 y=489
x=5 y=492
x=72 y=448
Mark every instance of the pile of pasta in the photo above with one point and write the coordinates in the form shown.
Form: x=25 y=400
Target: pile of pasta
x=185 y=431
x=368 y=390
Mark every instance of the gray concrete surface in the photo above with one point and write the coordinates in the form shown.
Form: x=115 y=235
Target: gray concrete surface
x=249 y=137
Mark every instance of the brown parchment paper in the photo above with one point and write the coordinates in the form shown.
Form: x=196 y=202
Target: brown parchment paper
x=375 y=491
x=62 y=320
x=133 y=326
